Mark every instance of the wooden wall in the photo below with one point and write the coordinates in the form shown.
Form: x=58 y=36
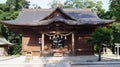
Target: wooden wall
x=30 y=44
x=81 y=45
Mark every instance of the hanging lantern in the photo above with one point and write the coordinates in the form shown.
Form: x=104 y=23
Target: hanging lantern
x=65 y=37
x=57 y=35
x=54 y=36
x=50 y=37
x=61 y=36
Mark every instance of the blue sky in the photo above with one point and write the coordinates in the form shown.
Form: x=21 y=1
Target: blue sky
x=45 y=3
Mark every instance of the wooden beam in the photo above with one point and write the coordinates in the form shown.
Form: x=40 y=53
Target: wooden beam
x=43 y=44
x=73 y=43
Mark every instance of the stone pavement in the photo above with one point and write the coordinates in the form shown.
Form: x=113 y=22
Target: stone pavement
x=75 y=60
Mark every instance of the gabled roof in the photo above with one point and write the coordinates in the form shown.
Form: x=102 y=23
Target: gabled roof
x=70 y=16
x=3 y=41
x=57 y=13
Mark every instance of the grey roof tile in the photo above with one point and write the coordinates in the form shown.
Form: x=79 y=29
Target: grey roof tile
x=34 y=17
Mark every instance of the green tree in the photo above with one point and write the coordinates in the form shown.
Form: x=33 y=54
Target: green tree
x=102 y=35
x=17 y=4
x=9 y=11
x=100 y=11
x=114 y=13
x=116 y=32
x=115 y=9
x=78 y=4
x=74 y=4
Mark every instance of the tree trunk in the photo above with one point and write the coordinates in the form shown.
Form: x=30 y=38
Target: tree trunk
x=99 y=53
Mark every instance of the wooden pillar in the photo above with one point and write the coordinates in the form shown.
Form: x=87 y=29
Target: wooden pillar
x=43 y=44
x=73 y=43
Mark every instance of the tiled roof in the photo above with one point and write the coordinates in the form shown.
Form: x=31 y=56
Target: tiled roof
x=33 y=17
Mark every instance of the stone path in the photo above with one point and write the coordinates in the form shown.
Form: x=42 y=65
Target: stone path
x=72 y=60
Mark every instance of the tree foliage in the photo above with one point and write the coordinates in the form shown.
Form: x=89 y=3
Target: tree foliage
x=102 y=35
x=17 y=4
x=113 y=29
x=9 y=11
x=79 y=4
x=116 y=32
x=115 y=9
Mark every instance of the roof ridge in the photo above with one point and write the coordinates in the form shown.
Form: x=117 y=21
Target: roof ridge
x=64 y=9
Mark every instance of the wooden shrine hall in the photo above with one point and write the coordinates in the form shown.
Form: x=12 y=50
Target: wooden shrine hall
x=57 y=31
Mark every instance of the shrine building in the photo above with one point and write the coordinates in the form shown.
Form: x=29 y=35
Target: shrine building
x=56 y=31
